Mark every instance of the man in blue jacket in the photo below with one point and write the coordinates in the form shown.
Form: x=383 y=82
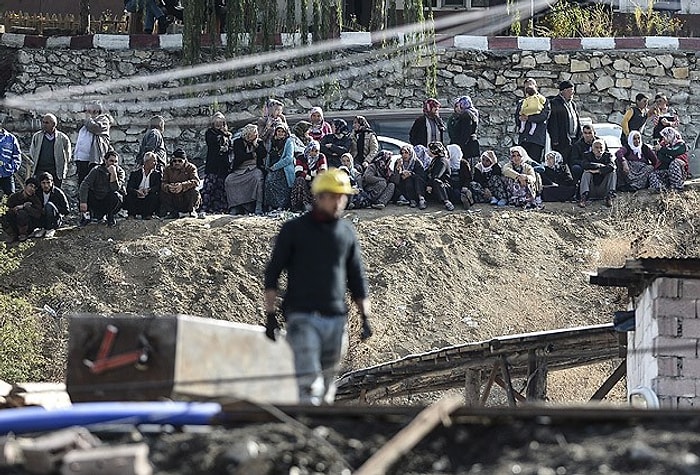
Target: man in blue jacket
x=10 y=160
x=322 y=257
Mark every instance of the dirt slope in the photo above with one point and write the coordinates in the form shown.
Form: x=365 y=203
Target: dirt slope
x=436 y=278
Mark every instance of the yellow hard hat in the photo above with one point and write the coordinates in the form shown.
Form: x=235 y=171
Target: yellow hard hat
x=332 y=181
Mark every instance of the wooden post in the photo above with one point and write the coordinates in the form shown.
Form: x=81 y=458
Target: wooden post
x=506 y=379
x=612 y=380
x=536 y=388
x=472 y=387
x=489 y=384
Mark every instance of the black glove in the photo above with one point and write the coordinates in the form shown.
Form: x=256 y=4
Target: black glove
x=271 y=325
x=366 y=328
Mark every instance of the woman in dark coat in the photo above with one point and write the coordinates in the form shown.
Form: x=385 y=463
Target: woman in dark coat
x=557 y=182
x=462 y=126
x=218 y=139
x=438 y=175
x=333 y=146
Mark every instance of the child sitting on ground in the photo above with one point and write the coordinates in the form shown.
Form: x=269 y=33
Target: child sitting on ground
x=532 y=104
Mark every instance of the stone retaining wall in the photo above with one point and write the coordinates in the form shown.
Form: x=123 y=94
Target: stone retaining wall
x=490 y=70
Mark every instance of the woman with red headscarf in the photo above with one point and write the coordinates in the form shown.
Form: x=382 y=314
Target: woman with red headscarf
x=429 y=127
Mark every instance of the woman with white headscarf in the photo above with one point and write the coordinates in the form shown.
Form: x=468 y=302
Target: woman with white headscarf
x=460 y=176
x=488 y=185
x=672 y=162
x=244 y=185
x=523 y=184
x=411 y=178
x=557 y=182
x=307 y=166
x=635 y=162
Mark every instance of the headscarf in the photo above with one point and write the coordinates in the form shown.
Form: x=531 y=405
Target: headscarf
x=270 y=105
x=525 y=157
x=382 y=162
x=438 y=149
x=279 y=143
x=637 y=151
x=431 y=107
x=349 y=156
x=491 y=156
x=558 y=160
x=412 y=159
x=454 y=151
x=314 y=110
x=217 y=115
x=421 y=152
x=301 y=128
x=364 y=123
x=464 y=105
x=340 y=126
x=313 y=145
x=248 y=131
x=671 y=136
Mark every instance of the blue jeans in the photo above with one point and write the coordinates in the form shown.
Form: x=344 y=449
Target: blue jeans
x=151 y=12
x=318 y=344
x=52 y=218
x=7 y=184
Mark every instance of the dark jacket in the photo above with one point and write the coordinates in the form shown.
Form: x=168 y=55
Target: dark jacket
x=438 y=172
x=58 y=198
x=462 y=131
x=419 y=131
x=565 y=188
x=322 y=260
x=605 y=164
x=558 y=123
x=241 y=154
x=154 y=182
x=152 y=141
x=97 y=182
x=17 y=198
x=218 y=148
x=541 y=119
x=579 y=148
x=333 y=147
x=483 y=178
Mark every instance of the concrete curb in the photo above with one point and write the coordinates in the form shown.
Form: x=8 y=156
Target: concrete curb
x=464 y=42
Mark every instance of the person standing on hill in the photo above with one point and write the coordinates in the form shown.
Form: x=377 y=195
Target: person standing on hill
x=532 y=124
x=10 y=160
x=152 y=141
x=93 y=140
x=322 y=257
x=462 y=126
x=564 y=124
x=429 y=127
x=50 y=150
x=635 y=117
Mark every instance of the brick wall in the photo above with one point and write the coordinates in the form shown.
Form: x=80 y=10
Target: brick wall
x=663 y=350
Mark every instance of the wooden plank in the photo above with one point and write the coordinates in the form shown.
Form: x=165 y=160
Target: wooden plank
x=408 y=437
x=472 y=387
x=508 y=384
x=518 y=397
x=612 y=380
x=536 y=388
x=489 y=384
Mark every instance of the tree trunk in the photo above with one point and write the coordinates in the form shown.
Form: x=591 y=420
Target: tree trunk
x=84 y=28
x=378 y=20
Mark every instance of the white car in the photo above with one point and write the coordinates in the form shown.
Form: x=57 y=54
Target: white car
x=611 y=133
x=392 y=145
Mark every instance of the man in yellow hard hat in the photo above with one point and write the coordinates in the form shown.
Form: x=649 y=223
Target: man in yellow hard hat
x=322 y=257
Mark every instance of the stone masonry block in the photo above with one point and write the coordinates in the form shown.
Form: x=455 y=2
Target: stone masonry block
x=687 y=402
x=678 y=387
x=690 y=289
x=691 y=368
x=668 y=402
x=691 y=328
x=668 y=366
x=668 y=326
x=667 y=287
x=665 y=307
x=683 y=347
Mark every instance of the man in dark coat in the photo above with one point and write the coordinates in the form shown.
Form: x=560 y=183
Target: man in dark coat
x=564 y=124
x=143 y=188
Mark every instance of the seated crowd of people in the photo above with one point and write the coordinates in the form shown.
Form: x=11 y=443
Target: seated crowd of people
x=269 y=166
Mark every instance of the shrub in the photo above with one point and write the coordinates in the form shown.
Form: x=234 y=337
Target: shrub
x=571 y=20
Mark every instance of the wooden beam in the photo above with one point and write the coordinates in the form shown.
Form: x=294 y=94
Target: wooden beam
x=612 y=380
x=536 y=388
x=472 y=387
x=508 y=383
x=409 y=436
x=489 y=384
x=519 y=397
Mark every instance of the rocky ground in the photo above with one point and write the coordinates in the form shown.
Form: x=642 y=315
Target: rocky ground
x=436 y=279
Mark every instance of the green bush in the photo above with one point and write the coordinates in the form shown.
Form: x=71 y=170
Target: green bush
x=571 y=20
